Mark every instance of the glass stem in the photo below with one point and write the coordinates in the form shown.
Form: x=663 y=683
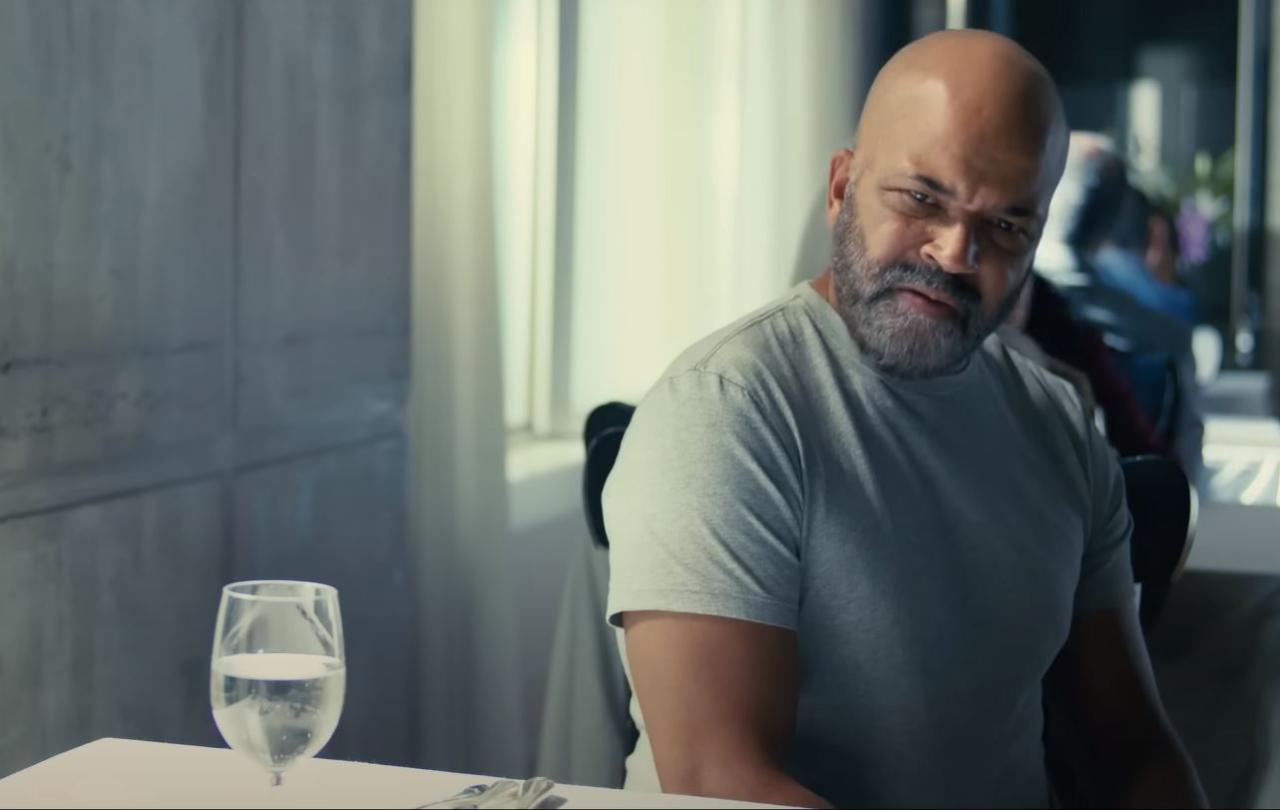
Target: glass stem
x=277 y=778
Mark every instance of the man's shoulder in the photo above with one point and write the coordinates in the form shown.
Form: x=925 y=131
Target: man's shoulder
x=752 y=350
x=1052 y=395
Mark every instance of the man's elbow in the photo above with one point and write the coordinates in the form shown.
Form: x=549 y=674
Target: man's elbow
x=703 y=776
x=735 y=777
x=1154 y=773
x=1166 y=778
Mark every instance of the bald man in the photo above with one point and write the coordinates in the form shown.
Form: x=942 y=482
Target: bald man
x=851 y=533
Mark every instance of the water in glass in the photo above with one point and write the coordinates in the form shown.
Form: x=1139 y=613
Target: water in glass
x=278 y=674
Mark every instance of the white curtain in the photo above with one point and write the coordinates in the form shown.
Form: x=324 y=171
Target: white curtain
x=703 y=132
x=469 y=672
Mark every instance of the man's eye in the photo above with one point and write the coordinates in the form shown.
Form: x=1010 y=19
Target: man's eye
x=1008 y=227
x=921 y=197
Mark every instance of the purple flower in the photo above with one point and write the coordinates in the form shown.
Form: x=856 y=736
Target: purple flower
x=1195 y=237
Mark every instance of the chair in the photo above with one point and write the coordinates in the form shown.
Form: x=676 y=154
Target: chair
x=603 y=438
x=1165 y=512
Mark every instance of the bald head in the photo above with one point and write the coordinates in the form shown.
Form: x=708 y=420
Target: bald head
x=979 y=91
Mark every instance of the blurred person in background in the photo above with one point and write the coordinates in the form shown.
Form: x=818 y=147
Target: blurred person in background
x=1094 y=243
x=1138 y=256
x=1161 y=256
x=1078 y=353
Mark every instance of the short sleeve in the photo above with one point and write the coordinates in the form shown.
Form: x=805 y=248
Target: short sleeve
x=703 y=508
x=1106 y=572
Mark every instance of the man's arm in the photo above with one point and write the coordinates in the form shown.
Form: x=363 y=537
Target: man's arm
x=719 y=699
x=1127 y=753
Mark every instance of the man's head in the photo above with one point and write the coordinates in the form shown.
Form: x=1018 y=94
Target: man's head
x=938 y=209
x=1102 y=207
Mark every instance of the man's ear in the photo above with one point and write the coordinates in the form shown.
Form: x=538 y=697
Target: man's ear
x=838 y=183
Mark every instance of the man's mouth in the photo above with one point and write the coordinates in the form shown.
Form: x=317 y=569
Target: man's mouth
x=929 y=301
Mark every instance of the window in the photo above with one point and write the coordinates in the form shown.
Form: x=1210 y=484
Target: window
x=660 y=166
x=515 y=102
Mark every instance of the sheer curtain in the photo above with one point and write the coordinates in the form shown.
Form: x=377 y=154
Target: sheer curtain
x=702 y=134
x=468 y=665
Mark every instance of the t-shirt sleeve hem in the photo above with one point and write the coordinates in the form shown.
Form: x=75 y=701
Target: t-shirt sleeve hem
x=1103 y=601
x=746 y=608
x=1110 y=584
x=1108 y=592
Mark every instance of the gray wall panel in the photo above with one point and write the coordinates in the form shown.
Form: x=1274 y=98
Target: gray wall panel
x=323 y=377
x=108 y=622
x=323 y=298
x=116 y=241
x=203 y=349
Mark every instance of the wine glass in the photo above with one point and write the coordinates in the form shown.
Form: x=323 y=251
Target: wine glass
x=278 y=673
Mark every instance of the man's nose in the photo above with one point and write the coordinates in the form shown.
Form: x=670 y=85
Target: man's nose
x=954 y=249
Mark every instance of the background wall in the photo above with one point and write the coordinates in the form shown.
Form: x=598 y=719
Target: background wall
x=203 y=352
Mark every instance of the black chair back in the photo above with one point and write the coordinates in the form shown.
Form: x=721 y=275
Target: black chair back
x=1164 y=507
x=1165 y=513
x=603 y=438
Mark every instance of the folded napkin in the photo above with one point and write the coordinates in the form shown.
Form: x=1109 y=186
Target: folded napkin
x=530 y=793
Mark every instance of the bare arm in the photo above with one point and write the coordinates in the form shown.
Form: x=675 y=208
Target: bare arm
x=1127 y=753
x=718 y=697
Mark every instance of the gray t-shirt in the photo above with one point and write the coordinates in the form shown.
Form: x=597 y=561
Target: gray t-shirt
x=928 y=541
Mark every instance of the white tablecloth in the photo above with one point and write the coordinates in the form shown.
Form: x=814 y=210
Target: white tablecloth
x=130 y=773
x=1237 y=539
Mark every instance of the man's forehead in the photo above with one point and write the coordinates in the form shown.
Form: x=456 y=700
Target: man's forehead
x=982 y=132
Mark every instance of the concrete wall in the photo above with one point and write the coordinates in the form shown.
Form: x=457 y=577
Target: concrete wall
x=203 y=352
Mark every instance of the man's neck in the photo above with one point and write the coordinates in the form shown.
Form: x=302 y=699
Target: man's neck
x=822 y=286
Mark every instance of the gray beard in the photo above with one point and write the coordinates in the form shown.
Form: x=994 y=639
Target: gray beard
x=896 y=340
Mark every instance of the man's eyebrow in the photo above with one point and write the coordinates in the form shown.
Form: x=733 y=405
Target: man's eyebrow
x=933 y=185
x=1022 y=212
x=1019 y=211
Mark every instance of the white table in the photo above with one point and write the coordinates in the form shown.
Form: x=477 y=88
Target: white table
x=130 y=773
x=1239 y=528
x=1236 y=539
